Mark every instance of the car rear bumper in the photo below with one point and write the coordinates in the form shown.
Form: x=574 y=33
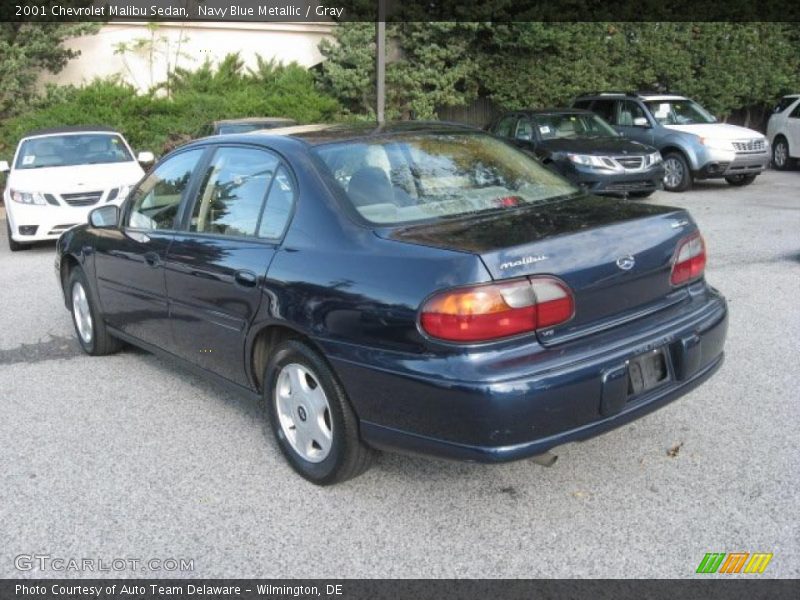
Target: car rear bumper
x=571 y=391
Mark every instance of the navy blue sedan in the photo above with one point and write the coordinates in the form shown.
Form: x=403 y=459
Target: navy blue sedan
x=423 y=288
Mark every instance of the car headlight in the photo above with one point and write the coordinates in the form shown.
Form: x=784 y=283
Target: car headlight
x=590 y=160
x=28 y=197
x=119 y=194
x=716 y=144
x=654 y=158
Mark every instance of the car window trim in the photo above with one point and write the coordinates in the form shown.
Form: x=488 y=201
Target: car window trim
x=211 y=149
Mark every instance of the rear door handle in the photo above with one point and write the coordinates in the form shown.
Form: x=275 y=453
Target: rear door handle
x=152 y=259
x=246 y=278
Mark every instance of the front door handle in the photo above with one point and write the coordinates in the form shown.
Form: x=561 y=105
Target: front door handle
x=246 y=278
x=152 y=259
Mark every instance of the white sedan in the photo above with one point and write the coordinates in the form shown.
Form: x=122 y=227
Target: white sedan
x=58 y=175
x=783 y=130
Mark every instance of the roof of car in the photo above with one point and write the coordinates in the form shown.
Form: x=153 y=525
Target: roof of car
x=555 y=111
x=255 y=120
x=328 y=133
x=642 y=95
x=71 y=129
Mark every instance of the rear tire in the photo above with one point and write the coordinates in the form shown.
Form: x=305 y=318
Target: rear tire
x=90 y=328
x=13 y=245
x=311 y=418
x=781 y=161
x=677 y=176
x=740 y=180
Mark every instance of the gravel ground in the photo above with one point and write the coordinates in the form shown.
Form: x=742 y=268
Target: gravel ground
x=131 y=457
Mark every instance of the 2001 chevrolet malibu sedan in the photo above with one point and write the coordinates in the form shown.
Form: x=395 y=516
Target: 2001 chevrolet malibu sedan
x=416 y=287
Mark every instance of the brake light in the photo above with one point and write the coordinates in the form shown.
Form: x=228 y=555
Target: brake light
x=497 y=310
x=690 y=260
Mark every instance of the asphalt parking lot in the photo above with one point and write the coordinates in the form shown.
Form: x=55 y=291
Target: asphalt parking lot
x=131 y=457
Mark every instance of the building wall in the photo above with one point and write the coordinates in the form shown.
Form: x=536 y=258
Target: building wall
x=193 y=43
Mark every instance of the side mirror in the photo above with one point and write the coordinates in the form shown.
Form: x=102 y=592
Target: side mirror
x=641 y=122
x=4 y=168
x=145 y=158
x=104 y=217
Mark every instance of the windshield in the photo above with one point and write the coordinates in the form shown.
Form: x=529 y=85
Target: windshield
x=679 y=112
x=572 y=126
x=422 y=177
x=70 y=150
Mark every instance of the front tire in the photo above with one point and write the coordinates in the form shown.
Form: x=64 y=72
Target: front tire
x=13 y=245
x=677 y=176
x=780 y=154
x=90 y=328
x=311 y=418
x=740 y=180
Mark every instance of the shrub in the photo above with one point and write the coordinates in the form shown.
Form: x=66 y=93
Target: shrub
x=154 y=122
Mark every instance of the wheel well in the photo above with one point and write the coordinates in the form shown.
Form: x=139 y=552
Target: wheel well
x=668 y=149
x=780 y=136
x=265 y=341
x=68 y=263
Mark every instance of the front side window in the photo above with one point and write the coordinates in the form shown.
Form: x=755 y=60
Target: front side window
x=784 y=103
x=155 y=202
x=630 y=113
x=419 y=177
x=73 y=149
x=572 y=125
x=505 y=126
x=233 y=192
x=679 y=112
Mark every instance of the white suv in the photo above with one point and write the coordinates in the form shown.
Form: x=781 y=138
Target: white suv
x=783 y=130
x=58 y=176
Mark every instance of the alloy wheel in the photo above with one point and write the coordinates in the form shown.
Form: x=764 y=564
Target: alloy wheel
x=82 y=313
x=673 y=172
x=303 y=412
x=780 y=154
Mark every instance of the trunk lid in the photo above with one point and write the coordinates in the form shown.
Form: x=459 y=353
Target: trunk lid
x=615 y=255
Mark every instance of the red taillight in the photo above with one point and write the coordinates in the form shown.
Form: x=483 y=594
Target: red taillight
x=690 y=260
x=497 y=310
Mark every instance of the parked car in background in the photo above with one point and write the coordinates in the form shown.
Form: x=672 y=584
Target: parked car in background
x=783 y=131
x=227 y=126
x=58 y=175
x=693 y=143
x=414 y=287
x=585 y=149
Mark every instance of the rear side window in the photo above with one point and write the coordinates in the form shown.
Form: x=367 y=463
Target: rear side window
x=585 y=104
x=233 y=191
x=278 y=207
x=796 y=112
x=156 y=201
x=607 y=109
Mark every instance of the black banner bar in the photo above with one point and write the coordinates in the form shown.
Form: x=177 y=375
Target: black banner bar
x=730 y=588
x=400 y=10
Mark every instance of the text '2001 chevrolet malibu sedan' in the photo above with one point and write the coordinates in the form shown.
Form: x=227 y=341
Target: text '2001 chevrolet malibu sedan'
x=416 y=287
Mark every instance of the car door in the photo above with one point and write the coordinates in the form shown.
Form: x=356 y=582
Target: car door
x=633 y=122
x=217 y=263
x=793 y=130
x=129 y=260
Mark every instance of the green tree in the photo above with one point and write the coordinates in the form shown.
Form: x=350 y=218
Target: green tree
x=27 y=49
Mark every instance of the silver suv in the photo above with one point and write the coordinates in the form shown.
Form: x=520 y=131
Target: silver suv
x=692 y=142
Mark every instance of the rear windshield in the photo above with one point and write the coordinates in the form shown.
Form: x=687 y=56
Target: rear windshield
x=72 y=149
x=428 y=176
x=784 y=103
